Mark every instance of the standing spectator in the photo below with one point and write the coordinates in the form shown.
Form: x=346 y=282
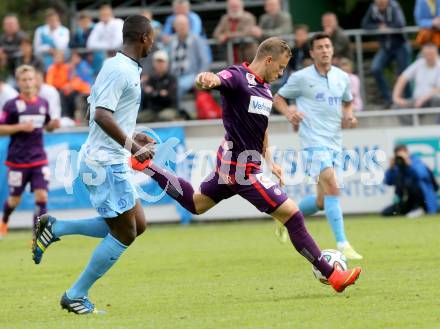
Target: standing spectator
x=107 y=34
x=83 y=30
x=7 y=92
x=384 y=14
x=187 y=56
x=182 y=7
x=340 y=40
x=27 y=56
x=159 y=91
x=346 y=65
x=301 y=49
x=147 y=62
x=237 y=23
x=50 y=94
x=427 y=16
x=274 y=22
x=424 y=74
x=10 y=40
x=50 y=37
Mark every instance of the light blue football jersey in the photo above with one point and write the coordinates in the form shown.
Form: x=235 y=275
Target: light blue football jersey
x=320 y=99
x=117 y=88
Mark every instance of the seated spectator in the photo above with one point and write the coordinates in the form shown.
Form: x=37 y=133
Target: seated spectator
x=424 y=76
x=300 y=51
x=83 y=30
x=159 y=92
x=27 y=56
x=381 y=15
x=427 y=16
x=187 y=56
x=10 y=41
x=347 y=66
x=237 y=23
x=274 y=22
x=50 y=94
x=341 y=42
x=182 y=7
x=414 y=182
x=107 y=33
x=7 y=92
x=71 y=79
x=50 y=37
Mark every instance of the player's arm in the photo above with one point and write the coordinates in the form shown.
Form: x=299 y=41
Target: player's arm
x=348 y=119
x=289 y=111
x=104 y=119
x=52 y=125
x=207 y=80
x=275 y=168
x=11 y=129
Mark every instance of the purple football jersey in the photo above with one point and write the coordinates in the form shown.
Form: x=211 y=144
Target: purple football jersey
x=26 y=149
x=247 y=103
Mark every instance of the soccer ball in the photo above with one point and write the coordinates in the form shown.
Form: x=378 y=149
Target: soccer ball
x=335 y=258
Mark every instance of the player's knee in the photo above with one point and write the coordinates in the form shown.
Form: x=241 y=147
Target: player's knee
x=14 y=201
x=41 y=196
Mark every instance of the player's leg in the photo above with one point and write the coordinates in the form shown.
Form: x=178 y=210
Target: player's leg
x=311 y=158
x=17 y=181
x=328 y=192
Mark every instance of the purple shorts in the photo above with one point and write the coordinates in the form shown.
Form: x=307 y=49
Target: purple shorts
x=246 y=180
x=18 y=178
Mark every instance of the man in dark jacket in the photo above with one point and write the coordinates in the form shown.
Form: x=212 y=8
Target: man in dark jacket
x=382 y=15
x=415 y=185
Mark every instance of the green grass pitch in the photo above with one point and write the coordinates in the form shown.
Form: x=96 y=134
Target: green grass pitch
x=231 y=275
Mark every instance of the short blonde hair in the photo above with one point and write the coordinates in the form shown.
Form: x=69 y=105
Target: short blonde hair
x=23 y=69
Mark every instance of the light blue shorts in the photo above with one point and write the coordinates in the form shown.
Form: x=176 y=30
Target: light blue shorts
x=316 y=159
x=111 y=187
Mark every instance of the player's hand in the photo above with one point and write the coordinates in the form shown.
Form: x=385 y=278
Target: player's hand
x=26 y=127
x=278 y=172
x=143 y=153
x=349 y=122
x=143 y=139
x=295 y=118
x=207 y=80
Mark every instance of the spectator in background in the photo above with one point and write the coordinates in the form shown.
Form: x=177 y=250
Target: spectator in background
x=51 y=95
x=187 y=56
x=274 y=22
x=424 y=75
x=181 y=7
x=355 y=85
x=301 y=49
x=147 y=62
x=83 y=30
x=237 y=23
x=70 y=79
x=427 y=16
x=415 y=185
x=7 y=92
x=107 y=33
x=50 y=37
x=159 y=92
x=27 y=56
x=155 y=24
x=10 y=41
x=340 y=41
x=382 y=15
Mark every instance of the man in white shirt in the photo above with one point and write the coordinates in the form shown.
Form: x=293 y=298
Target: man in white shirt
x=50 y=37
x=50 y=94
x=425 y=73
x=107 y=34
x=6 y=93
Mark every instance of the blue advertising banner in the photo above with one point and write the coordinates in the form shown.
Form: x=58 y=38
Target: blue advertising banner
x=66 y=190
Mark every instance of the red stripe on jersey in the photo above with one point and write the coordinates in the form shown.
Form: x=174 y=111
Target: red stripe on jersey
x=26 y=165
x=262 y=191
x=259 y=79
x=249 y=164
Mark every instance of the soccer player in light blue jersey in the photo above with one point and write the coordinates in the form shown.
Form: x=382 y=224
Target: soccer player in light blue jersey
x=323 y=107
x=114 y=104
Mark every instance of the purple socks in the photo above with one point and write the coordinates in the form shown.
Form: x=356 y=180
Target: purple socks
x=305 y=245
x=40 y=209
x=176 y=187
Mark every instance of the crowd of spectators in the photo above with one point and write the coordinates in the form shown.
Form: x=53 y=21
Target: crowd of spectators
x=69 y=60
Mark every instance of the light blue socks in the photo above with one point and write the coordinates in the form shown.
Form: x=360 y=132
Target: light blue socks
x=308 y=205
x=104 y=257
x=94 y=227
x=333 y=212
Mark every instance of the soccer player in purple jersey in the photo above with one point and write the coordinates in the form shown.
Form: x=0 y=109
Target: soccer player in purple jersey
x=24 y=119
x=247 y=102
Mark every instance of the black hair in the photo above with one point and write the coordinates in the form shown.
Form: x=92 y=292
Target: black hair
x=400 y=147
x=318 y=36
x=135 y=27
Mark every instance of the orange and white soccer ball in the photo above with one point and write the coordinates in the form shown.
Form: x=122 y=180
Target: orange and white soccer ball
x=335 y=258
